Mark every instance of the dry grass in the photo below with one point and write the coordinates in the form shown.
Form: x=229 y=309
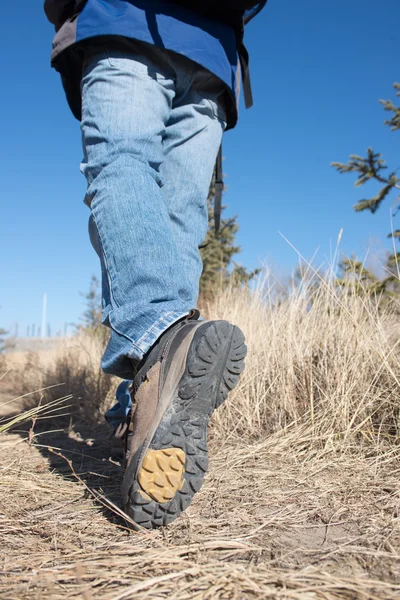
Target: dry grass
x=302 y=498
x=72 y=367
x=317 y=356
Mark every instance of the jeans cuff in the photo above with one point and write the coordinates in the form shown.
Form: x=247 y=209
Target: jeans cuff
x=149 y=338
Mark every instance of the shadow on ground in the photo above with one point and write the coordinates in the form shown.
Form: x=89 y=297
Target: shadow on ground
x=79 y=452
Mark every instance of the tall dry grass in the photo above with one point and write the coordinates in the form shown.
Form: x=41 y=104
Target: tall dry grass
x=319 y=357
x=71 y=368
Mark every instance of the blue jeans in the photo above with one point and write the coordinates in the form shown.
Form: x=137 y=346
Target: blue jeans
x=152 y=123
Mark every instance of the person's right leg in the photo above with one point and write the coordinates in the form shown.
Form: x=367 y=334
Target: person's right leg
x=189 y=157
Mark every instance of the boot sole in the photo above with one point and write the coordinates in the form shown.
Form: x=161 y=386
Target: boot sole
x=173 y=467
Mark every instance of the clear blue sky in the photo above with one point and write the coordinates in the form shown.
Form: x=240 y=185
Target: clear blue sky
x=318 y=69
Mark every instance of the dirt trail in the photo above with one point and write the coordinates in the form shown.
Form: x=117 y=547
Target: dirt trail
x=270 y=522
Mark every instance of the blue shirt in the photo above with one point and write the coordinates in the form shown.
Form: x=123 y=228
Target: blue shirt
x=210 y=43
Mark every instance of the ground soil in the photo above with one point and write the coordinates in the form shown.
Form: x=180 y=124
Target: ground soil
x=274 y=519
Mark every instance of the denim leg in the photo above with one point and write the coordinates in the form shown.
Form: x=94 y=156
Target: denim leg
x=127 y=112
x=105 y=287
x=191 y=143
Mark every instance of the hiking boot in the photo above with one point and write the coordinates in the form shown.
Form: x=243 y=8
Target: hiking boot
x=185 y=376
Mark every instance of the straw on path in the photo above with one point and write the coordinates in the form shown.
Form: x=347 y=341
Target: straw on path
x=266 y=525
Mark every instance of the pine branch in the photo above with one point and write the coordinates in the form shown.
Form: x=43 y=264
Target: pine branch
x=374 y=203
x=367 y=168
x=355 y=277
x=388 y=105
x=393 y=261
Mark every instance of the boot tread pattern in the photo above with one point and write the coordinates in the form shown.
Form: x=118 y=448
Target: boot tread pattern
x=173 y=468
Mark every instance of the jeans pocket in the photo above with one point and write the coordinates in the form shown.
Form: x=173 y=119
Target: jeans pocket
x=143 y=60
x=217 y=105
x=212 y=90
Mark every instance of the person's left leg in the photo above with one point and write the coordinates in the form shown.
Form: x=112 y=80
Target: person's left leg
x=186 y=172
x=126 y=104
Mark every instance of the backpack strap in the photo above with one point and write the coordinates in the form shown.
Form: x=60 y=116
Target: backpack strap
x=248 y=99
x=245 y=72
x=244 y=55
x=219 y=186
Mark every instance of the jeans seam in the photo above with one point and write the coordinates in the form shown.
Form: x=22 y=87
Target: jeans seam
x=106 y=265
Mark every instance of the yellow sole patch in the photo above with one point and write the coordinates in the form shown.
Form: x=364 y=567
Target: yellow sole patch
x=161 y=473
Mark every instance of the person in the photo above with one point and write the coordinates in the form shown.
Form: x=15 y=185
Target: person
x=154 y=85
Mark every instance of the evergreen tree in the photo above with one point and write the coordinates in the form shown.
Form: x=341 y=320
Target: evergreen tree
x=92 y=314
x=3 y=341
x=91 y=317
x=217 y=252
x=355 y=277
x=373 y=167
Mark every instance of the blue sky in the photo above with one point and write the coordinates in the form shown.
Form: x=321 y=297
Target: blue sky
x=318 y=71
